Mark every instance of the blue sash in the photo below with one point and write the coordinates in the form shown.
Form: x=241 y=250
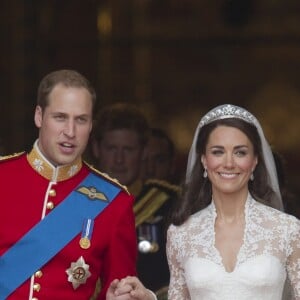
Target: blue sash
x=55 y=231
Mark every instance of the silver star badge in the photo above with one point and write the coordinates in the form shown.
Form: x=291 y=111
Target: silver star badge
x=78 y=272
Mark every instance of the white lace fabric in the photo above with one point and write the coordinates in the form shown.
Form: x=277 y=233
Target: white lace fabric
x=270 y=252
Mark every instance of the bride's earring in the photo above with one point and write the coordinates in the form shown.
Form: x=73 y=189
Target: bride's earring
x=252 y=176
x=205 y=173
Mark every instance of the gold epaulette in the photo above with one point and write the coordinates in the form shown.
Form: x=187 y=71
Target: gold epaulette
x=11 y=156
x=106 y=176
x=156 y=193
x=164 y=184
x=147 y=206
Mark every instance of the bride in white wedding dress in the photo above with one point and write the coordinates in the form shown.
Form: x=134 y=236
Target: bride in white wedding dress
x=229 y=239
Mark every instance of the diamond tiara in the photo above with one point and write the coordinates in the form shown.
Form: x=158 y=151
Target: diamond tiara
x=227 y=111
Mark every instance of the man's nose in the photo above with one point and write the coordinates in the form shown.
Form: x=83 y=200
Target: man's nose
x=69 y=129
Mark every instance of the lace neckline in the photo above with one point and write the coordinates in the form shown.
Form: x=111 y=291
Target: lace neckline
x=213 y=214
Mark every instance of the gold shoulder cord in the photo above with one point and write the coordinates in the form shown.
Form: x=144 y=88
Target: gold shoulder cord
x=154 y=198
x=106 y=176
x=7 y=157
x=149 y=204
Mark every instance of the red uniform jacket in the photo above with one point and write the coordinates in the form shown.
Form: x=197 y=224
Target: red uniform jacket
x=27 y=193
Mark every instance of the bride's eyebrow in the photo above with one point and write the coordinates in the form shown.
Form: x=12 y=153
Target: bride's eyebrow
x=235 y=147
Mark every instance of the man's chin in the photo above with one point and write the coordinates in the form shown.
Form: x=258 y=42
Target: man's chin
x=66 y=160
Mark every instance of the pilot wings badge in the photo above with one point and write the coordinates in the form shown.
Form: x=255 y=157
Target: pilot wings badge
x=92 y=193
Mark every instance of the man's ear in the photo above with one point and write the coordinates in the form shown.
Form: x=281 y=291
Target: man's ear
x=38 y=116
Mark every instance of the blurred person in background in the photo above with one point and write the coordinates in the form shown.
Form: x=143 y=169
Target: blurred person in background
x=118 y=145
x=118 y=141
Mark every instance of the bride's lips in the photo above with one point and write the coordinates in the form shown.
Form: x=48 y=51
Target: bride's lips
x=228 y=175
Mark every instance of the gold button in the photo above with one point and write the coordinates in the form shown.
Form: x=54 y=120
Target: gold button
x=50 y=205
x=52 y=193
x=38 y=274
x=36 y=287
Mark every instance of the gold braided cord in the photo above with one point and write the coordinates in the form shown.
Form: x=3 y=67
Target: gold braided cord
x=148 y=205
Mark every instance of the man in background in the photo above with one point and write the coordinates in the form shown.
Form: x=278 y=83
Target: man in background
x=119 y=142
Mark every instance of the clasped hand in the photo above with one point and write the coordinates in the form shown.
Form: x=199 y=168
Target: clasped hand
x=128 y=288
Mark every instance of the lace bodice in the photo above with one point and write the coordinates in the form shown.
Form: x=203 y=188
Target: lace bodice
x=270 y=251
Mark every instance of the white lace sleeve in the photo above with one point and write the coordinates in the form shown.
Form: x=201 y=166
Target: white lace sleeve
x=177 y=287
x=293 y=260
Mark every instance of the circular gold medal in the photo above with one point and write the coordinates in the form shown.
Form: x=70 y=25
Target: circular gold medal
x=154 y=247
x=85 y=243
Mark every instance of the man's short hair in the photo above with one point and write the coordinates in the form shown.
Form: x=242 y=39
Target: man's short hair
x=68 y=78
x=121 y=116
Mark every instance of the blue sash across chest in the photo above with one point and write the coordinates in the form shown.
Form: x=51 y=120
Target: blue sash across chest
x=55 y=231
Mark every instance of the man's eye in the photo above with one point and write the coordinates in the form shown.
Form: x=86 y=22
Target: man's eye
x=59 y=117
x=82 y=120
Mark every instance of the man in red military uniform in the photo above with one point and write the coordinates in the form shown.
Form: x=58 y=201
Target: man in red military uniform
x=63 y=224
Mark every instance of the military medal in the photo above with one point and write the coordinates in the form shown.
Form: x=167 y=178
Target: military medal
x=148 y=240
x=86 y=235
x=78 y=272
x=85 y=243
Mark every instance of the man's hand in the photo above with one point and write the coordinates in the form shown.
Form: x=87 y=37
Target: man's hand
x=129 y=288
